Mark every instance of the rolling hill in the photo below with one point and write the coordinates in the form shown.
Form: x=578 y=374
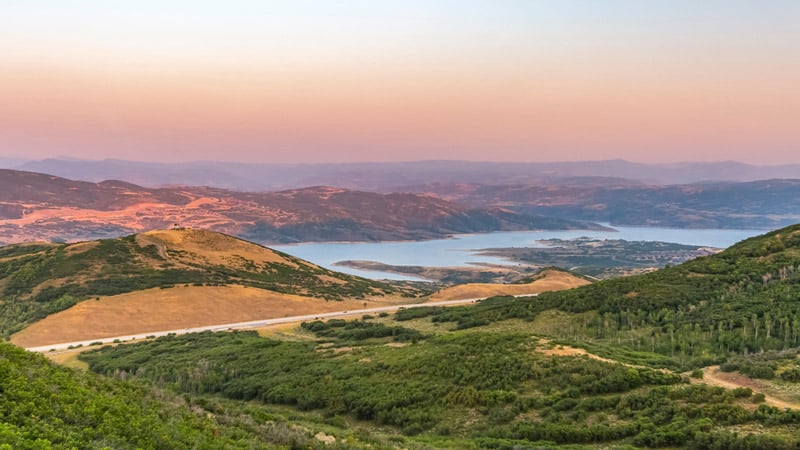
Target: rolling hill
x=35 y=206
x=37 y=280
x=545 y=280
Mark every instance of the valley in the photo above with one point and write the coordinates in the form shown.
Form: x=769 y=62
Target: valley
x=610 y=363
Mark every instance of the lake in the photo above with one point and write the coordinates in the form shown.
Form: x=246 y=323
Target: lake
x=460 y=249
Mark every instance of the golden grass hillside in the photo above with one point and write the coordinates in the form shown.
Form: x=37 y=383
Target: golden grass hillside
x=37 y=281
x=171 y=309
x=196 y=246
x=547 y=280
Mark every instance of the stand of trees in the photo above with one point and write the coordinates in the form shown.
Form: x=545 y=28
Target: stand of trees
x=44 y=406
x=492 y=390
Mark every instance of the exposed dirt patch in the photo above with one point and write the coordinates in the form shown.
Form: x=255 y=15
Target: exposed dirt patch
x=548 y=280
x=565 y=350
x=330 y=279
x=69 y=358
x=546 y=348
x=713 y=376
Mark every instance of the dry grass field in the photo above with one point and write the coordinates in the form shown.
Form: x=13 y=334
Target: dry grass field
x=199 y=246
x=548 y=280
x=170 y=309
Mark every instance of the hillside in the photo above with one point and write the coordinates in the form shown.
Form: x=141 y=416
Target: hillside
x=42 y=207
x=48 y=407
x=737 y=302
x=546 y=280
x=37 y=280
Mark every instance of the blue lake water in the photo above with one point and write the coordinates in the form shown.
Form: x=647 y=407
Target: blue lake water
x=460 y=250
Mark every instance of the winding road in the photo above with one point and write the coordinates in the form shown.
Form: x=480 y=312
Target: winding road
x=251 y=324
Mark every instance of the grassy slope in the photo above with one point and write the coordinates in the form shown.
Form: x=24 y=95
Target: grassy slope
x=38 y=280
x=547 y=280
x=44 y=406
x=171 y=309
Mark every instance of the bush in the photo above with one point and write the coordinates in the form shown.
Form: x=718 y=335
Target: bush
x=792 y=375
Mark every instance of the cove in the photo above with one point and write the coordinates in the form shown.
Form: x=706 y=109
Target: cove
x=459 y=250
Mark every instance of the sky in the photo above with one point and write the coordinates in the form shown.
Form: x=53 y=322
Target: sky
x=397 y=80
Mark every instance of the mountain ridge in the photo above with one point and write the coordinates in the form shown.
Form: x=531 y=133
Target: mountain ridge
x=390 y=175
x=762 y=204
x=37 y=206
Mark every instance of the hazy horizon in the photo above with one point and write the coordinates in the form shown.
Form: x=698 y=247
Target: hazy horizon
x=22 y=160
x=305 y=81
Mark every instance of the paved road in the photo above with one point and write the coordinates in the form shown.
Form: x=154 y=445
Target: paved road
x=251 y=324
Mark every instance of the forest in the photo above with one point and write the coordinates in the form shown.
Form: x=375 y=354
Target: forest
x=463 y=389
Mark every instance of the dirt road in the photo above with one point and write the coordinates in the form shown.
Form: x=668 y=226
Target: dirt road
x=713 y=376
x=247 y=325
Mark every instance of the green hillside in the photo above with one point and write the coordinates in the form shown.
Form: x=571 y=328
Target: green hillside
x=40 y=279
x=743 y=300
x=43 y=406
x=492 y=388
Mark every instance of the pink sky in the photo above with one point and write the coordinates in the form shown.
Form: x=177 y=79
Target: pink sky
x=561 y=80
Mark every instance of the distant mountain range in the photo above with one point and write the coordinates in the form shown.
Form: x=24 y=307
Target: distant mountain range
x=392 y=176
x=36 y=206
x=764 y=204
